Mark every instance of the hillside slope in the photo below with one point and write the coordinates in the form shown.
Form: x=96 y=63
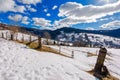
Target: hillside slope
x=18 y=62
x=87 y=57
x=95 y=40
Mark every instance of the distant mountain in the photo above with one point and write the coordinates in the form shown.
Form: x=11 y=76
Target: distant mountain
x=96 y=38
x=112 y=33
x=110 y=38
x=88 y=39
x=55 y=33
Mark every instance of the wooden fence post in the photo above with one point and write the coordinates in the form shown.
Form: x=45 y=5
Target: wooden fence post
x=100 y=69
x=72 y=54
x=6 y=35
x=30 y=39
x=16 y=36
x=11 y=36
x=22 y=38
x=2 y=35
x=59 y=49
x=39 y=42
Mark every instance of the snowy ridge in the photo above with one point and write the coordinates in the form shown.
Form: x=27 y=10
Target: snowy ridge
x=93 y=39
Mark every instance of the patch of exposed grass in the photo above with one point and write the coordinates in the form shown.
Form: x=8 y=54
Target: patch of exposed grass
x=33 y=45
x=91 y=54
x=48 y=49
x=44 y=48
x=109 y=77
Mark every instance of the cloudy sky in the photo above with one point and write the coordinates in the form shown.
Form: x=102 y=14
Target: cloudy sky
x=54 y=14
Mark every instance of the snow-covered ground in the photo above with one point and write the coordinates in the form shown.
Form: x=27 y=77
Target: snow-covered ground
x=18 y=62
x=88 y=62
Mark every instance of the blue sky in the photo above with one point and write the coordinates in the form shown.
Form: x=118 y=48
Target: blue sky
x=54 y=14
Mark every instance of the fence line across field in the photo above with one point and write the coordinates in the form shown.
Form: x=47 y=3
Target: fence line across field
x=34 y=38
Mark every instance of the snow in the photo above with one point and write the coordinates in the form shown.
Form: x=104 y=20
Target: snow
x=88 y=63
x=18 y=62
x=95 y=39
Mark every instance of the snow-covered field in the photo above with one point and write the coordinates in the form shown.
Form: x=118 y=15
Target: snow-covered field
x=18 y=62
x=88 y=62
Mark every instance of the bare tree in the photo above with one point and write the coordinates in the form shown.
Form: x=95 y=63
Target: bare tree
x=88 y=40
x=47 y=36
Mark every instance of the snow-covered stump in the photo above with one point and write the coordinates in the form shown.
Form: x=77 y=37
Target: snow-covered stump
x=100 y=70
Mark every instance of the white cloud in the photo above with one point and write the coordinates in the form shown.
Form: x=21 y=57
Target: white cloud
x=105 y=1
x=10 y=5
x=66 y=22
x=20 y=9
x=19 y=18
x=103 y=19
x=30 y=8
x=30 y=1
x=41 y=22
x=15 y=18
x=75 y=13
x=48 y=14
x=25 y=20
x=45 y=10
x=7 y=5
x=111 y=25
x=54 y=7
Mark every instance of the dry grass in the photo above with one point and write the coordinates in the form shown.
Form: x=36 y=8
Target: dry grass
x=33 y=45
x=48 y=49
x=109 y=77
x=44 y=48
x=91 y=54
